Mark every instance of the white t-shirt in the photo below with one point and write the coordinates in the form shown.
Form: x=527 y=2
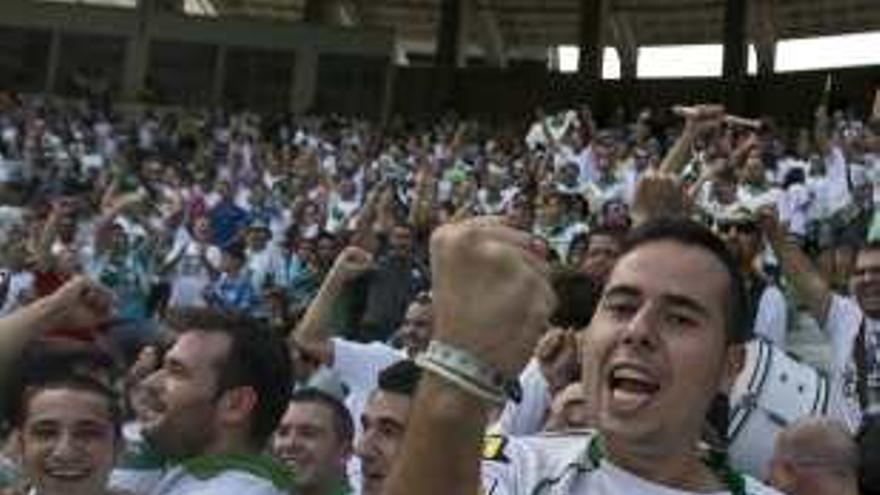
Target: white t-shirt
x=21 y=288
x=771 y=321
x=190 y=276
x=266 y=263
x=178 y=481
x=552 y=464
x=838 y=193
x=794 y=207
x=358 y=366
x=527 y=417
x=842 y=326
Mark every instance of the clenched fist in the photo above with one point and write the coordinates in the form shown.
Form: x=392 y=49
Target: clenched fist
x=492 y=295
x=350 y=264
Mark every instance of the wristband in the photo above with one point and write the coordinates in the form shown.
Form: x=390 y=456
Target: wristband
x=491 y=396
x=458 y=365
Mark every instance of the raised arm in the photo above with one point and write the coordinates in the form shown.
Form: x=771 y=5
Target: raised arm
x=486 y=280
x=364 y=235
x=822 y=130
x=809 y=286
x=421 y=212
x=698 y=119
x=312 y=333
x=80 y=302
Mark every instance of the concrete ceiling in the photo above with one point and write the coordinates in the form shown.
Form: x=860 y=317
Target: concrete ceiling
x=524 y=25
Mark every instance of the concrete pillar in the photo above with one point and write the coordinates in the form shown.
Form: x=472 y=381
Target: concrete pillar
x=626 y=45
x=137 y=54
x=449 y=53
x=315 y=11
x=449 y=46
x=388 y=94
x=52 y=62
x=590 y=28
x=218 y=85
x=629 y=63
x=305 y=80
x=735 y=55
x=766 y=54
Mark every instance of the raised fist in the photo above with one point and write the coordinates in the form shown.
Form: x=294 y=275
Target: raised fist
x=81 y=303
x=351 y=263
x=492 y=296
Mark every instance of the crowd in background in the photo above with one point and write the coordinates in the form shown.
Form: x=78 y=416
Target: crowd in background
x=319 y=229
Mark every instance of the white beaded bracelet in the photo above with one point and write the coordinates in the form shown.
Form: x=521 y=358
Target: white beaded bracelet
x=464 y=384
x=469 y=372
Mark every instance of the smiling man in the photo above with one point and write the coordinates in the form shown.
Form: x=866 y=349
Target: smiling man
x=69 y=435
x=383 y=424
x=314 y=438
x=208 y=413
x=665 y=339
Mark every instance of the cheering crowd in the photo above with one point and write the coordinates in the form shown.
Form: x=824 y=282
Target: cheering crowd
x=208 y=303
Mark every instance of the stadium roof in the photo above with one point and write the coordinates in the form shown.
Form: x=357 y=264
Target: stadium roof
x=543 y=23
x=527 y=26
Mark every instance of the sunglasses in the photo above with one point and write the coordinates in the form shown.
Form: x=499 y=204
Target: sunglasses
x=741 y=227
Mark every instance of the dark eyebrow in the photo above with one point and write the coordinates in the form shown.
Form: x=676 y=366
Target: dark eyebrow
x=623 y=291
x=686 y=302
x=672 y=299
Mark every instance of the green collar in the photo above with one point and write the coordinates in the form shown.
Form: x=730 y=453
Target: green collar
x=204 y=467
x=258 y=465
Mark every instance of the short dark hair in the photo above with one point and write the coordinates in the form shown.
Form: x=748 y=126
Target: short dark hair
x=343 y=424
x=258 y=358
x=84 y=383
x=400 y=378
x=691 y=233
x=577 y=295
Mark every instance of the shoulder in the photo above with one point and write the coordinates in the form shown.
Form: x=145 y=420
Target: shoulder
x=843 y=309
x=548 y=451
x=234 y=483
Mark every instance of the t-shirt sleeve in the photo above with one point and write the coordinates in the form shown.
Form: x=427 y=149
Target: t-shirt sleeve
x=772 y=318
x=841 y=326
x=527 y=417
x=358 y=365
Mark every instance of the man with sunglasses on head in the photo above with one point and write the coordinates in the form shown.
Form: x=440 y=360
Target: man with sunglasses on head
x=768 y=309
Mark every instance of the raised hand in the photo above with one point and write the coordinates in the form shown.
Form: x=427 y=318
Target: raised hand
x=351 y=263
x=81 y=303
x=700 y=118
x=492 y=296
x=557 y=354
x=659 y=194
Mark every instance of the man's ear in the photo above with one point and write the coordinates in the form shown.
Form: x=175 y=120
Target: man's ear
x=734 y=361
x=237 y=404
